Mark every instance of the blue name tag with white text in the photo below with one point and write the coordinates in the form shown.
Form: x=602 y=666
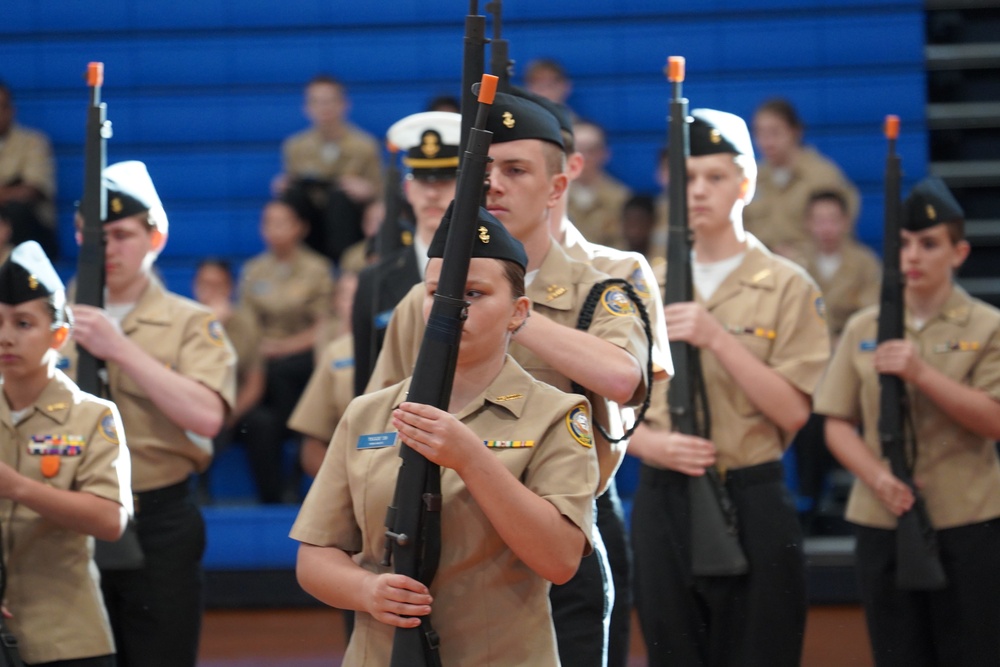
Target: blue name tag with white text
x=377 y=440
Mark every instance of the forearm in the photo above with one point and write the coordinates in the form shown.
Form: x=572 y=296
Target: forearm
x=767 y=390
x=74 y=510
x=545 y=540
x=330 y=576
x=594 y=364
x=189 y=404
x=971 y=408
x=846 y=445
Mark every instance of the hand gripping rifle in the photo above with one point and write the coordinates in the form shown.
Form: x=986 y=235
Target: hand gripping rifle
x=918 y=566
x=413 y=535
x=715 y=544
x=94 y=207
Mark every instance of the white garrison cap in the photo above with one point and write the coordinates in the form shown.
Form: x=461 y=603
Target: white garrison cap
x=131 y=191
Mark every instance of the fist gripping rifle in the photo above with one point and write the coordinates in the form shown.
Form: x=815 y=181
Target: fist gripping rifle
x=413 y=535
x=918 y=566
x=715 y=544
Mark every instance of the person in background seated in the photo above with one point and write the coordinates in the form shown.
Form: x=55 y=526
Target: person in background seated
x=214 y=287
x=596 y=198
x=27 y=179
x=638 y=222
x=332 y=171
x=286 y=292
x=64 y=476
x=789 y=173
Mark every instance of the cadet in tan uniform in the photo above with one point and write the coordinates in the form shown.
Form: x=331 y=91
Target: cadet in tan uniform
x=789 y=173
x=950 y=361
x=171 y=371
x=527 y=180
x=516 y=512
x=758 y=322
x=287 y=291
x=64 y=476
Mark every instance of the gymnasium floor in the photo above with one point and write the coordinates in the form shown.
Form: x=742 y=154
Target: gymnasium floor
x=835 y=637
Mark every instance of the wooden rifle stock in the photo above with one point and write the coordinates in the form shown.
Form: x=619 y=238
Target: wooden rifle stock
x=918 y=565
x=715 y=545
x=413 y=537
x=93 y=209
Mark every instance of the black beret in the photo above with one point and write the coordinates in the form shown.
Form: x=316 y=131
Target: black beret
x=930 y=203
x=512 y=118
x=28 y=274
x=492 y=239
x=561 y=112
x=714 y=132
x=430 y=140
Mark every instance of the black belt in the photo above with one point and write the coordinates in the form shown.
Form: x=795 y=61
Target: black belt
x=764 y=473
x=150 y=501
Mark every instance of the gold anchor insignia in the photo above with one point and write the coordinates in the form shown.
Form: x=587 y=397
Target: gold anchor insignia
x=116 y=205
x=32 y=282
x=508 y=120
x=484 y=234
x=931 y=213
x=715 y=137
x=555 y=292
x=431 y=145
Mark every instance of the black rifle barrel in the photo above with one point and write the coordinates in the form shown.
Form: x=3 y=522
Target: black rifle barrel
x=918 y=565
x=473 y=66
x=500 y=62
x=413 y=520
x=715 y=546
x=90 y=261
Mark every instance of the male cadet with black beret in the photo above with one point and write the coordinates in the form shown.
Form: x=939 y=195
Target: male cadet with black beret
x=64 y=476
x=759 y=324
x=950 y=362
x=430 y=140
x=634 y=268
x=526 y=181
x=171 y=371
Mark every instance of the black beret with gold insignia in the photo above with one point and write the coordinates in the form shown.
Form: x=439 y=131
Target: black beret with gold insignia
x=28 y=274
x=930 y=203
x=492 y=239
x=513 y=118
x=713 y=131
x=430 y=141
x=131 y=192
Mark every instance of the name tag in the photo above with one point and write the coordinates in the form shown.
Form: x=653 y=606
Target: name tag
x=377 y=440
x=340 y=364
x=382 y=319
x=868 y=345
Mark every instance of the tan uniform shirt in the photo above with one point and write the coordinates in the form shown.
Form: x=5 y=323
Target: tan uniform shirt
x=286 y=298
x=489 y=608
x=777 y=213
x=69 y=441
x=330 y=389
x=184 y=336
x=357 y=153
x=597 y=210
x=26 y=155
x=958 y=470
x=558 y=291
x=854 y=286
x=774 y=310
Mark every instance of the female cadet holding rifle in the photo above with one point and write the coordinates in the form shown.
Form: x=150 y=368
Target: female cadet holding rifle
x=950 y=362
x=516 y=512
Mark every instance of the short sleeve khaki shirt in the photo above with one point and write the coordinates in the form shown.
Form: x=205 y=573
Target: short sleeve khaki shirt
x=71 y=441
x=958 y=470
x=286 y=298
x=330 y=389
x=489 y=607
